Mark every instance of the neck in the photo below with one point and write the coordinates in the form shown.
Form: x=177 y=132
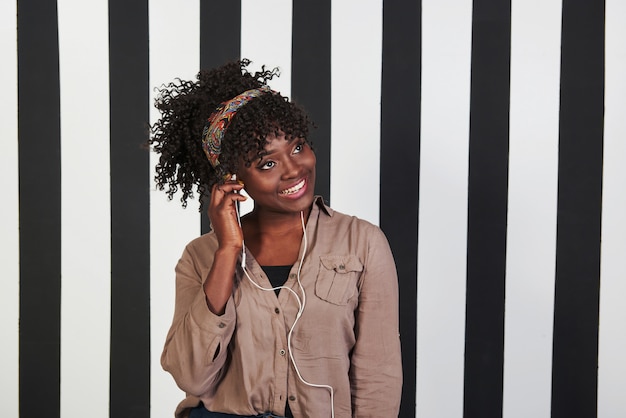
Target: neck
x=273 y=240
x=275 y=223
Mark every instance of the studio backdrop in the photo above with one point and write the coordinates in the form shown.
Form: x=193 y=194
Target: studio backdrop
x=485 y=137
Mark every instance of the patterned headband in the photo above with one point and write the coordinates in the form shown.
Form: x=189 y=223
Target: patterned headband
x=218 y=122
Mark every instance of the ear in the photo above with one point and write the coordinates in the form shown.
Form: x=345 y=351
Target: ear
x=232 y=177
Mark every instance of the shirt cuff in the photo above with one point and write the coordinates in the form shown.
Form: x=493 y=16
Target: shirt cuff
x=206 y=320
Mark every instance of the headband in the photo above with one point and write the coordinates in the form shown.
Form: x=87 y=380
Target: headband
x=215 y=127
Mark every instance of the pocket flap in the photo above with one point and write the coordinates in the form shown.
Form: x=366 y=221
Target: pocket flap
x=341 y=263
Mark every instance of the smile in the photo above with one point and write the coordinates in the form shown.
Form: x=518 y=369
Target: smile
x=294 y=189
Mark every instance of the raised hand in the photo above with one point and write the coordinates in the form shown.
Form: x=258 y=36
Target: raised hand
x=223 y=214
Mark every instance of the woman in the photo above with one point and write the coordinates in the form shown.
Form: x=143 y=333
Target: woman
x=291 y=310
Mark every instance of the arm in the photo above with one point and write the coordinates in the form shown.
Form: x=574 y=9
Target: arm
x=195 y=347
x=204 y=320
x=376 y=363
x=218 y=285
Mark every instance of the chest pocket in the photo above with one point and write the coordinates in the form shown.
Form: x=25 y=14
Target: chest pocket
x=337 y=278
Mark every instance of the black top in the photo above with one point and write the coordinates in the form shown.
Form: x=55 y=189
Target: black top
x=277 y=275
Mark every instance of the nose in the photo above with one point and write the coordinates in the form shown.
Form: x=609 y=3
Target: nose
x=291 y=169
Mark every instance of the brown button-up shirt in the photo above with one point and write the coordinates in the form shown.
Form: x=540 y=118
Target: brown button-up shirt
x=346 y=337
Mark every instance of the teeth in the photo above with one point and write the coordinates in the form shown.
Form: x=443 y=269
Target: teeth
x=294 y=189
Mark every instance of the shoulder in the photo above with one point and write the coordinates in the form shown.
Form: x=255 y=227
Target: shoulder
x=361 y=233
x=200 y=250
x=203 y=242
x=349 y=223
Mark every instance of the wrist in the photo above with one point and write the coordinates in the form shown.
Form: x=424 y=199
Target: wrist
x=228 y=252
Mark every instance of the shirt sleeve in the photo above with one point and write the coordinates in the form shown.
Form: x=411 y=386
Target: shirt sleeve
x=376 y=362
x=196 y=345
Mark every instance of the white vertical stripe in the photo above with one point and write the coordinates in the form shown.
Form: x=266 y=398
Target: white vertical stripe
x=531 y=234
x=612 y=342
x=174 y=52
x=9 y=217
x=85 y=204
x=266 y=40
x=446 y=63
x=356 y=52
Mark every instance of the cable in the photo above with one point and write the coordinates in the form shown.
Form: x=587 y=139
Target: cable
x=245 y=269
x=301 y=305
x=293 y=361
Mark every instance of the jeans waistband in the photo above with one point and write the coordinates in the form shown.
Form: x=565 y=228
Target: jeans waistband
x=201 y=412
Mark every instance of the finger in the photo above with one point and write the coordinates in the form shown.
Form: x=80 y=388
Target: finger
x=221 y=202
x=227 y=187
x=222 y=195
x=235 y=197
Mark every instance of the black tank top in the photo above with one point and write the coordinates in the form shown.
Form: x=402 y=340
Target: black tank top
x=277 y=275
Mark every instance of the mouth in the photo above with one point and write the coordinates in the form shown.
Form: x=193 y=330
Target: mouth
x=293 y=189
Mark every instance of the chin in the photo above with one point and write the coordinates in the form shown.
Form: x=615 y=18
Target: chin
x=301 y=204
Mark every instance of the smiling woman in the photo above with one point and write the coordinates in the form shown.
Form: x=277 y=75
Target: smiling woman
x=185 y=138
x=285 y=173
x=291 y=310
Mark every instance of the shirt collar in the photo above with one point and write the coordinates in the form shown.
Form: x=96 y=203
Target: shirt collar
x=319 y=201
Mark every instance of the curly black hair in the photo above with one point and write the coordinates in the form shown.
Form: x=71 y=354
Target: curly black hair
x=185 y=107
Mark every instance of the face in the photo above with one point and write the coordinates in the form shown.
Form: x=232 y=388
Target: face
x=283 y=179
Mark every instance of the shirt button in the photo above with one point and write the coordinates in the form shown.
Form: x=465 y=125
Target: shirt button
x=221 y=325
x=276 y=310
x=292 y=276
x=342 y=267
x=292 y=398
x=282 y=352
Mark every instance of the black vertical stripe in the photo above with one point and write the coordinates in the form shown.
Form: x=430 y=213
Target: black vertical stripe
x=310 y=79
x=487 y=208
x=577 y=287
x=130 y=209
x=399 y=167
x=40 y=208
x=217 y=19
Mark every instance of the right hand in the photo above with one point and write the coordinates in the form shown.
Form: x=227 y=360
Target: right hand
x=223 y=215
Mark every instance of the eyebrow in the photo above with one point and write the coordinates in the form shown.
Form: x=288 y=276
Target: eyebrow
x=264 y=153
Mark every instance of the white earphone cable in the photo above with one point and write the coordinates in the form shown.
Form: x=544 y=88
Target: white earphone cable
x=301 y=305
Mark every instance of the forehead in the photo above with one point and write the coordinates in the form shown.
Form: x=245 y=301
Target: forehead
x=272 y=142
x=274 y=138
x=275 y=141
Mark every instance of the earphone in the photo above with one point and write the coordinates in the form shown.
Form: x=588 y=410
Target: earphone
x=301 y=301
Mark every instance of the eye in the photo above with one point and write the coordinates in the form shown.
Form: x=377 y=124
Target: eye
x=298 y=148
x=266 y=165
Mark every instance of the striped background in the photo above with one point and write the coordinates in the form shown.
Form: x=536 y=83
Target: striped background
x=485 y=137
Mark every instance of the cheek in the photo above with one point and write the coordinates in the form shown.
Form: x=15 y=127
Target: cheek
x=246 y=175
x=255 y=184
x=312 y=159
